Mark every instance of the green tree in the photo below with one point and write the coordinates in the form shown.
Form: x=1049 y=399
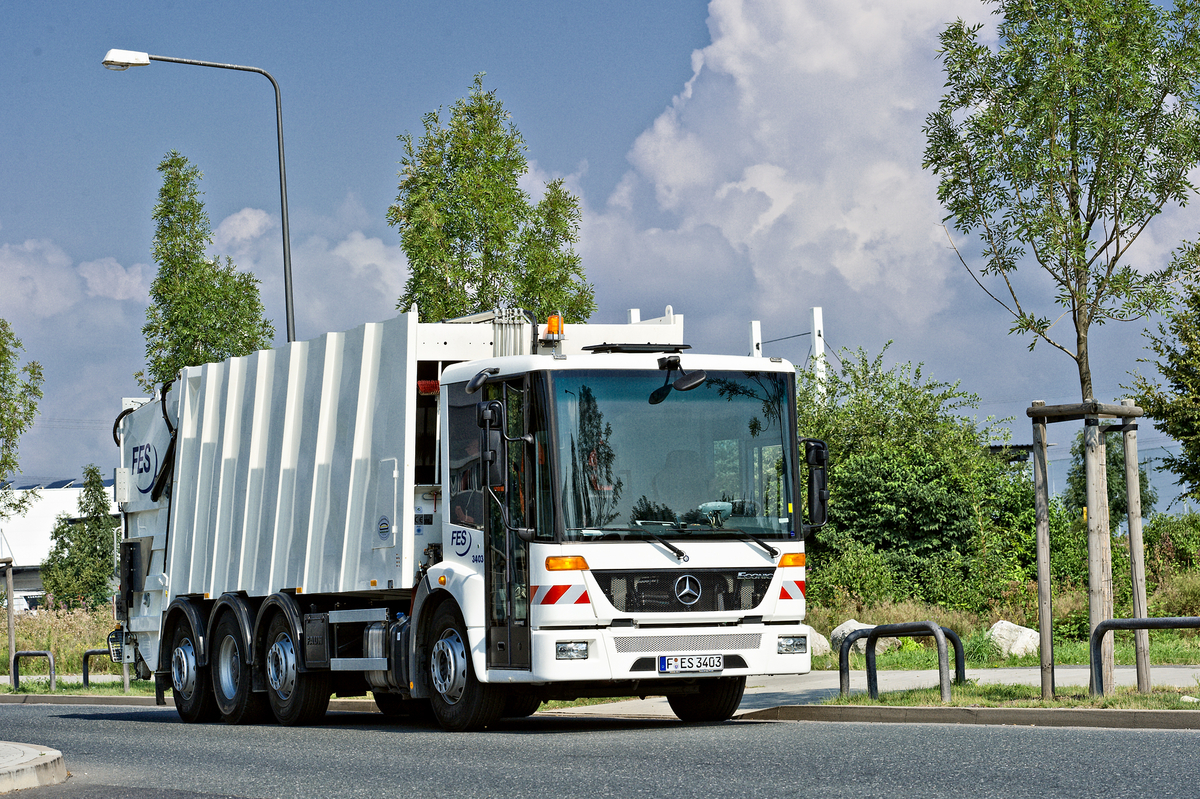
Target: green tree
x=473 y=238
x=907 y=470
x=201 y=310
x=1174 y=402
x=1075 y=496
x=20 y=390
x=1063 y=143
x=80 y=565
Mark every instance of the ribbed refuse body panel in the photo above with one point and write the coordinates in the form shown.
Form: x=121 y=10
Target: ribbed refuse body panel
x=293 y=466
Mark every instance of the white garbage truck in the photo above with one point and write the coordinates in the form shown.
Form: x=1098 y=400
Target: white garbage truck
x=465 y=519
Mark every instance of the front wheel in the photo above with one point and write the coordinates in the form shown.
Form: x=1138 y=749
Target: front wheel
x=460 y=702
x=232 y=677
x=717 y=700
x=296 y=697
x=190 y=684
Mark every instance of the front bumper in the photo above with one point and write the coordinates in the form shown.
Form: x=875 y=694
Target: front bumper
x=631 y=653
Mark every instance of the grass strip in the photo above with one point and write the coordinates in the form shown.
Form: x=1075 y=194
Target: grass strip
x=1026 y=696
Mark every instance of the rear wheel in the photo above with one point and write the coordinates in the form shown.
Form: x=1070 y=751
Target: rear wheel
x=296 y=697
x=232 y=677
x=717 y=700
x=460 y=702
x=190 y=685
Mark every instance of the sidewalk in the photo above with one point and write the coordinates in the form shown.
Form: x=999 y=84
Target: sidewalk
x=23 y=766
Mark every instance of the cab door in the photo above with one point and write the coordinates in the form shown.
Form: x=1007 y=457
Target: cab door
x=507 y=556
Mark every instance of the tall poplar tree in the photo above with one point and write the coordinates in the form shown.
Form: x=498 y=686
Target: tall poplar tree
x=201 y=310
x=474 y=239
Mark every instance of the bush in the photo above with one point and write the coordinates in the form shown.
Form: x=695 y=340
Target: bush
x=1172 y=545
x=851 y=574
x=68 y=633
x=1178 y=596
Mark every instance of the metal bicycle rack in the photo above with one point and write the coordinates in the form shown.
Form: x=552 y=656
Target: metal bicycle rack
x=41 y=653
x=907 y=630
x=1163 y=623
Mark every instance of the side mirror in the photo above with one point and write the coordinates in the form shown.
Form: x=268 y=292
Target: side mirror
x=816 y=456
x=490 y=418
x=493 y=456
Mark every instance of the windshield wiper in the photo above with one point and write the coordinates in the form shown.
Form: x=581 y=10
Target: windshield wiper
x=679 y=553
x=746 y=536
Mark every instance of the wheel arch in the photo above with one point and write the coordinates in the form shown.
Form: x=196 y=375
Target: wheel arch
x=243 y=614
x=425 y=605
x=184 y=609
x=285 y=604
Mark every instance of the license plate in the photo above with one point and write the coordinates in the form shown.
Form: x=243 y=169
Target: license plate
x=675 y=664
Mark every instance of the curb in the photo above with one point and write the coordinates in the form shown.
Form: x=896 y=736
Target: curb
x=23 y=766
x=1012 y=716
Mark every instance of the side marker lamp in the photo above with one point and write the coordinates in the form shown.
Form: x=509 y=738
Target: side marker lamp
x=566 y=563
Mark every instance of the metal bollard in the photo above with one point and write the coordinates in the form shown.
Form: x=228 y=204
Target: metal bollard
x=30 y=653
x=87 y=656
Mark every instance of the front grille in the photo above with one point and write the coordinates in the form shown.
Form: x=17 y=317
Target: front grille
x=655 y=591
x=668 y=644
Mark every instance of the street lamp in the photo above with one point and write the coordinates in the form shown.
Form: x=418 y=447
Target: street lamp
x=120 y=60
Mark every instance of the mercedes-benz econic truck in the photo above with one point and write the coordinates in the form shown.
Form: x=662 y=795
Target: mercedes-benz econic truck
x=465 y=519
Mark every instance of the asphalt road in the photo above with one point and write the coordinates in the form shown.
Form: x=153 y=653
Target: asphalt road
x=148 y=752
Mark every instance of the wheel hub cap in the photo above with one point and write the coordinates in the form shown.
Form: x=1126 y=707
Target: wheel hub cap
x=281 y=666
x=229 y=666
x=183 y=669
x=448 y=667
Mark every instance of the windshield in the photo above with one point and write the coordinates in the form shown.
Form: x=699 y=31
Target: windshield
x=713 y=461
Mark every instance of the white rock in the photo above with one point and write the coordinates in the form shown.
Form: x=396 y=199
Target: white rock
x=845 y=628
x=818 y=644
x=1013 y=639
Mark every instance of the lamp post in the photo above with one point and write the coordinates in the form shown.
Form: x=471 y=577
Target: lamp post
x=119 y=60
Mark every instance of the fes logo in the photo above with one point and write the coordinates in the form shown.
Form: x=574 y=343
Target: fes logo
x=461 y=541
x=144 y=467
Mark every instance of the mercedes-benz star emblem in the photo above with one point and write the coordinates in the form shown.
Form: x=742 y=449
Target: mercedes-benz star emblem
x=687 y=589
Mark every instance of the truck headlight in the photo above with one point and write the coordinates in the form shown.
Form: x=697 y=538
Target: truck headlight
x=571 y=650
x=793 y=644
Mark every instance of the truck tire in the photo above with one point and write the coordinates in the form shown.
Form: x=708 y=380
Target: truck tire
x=520 y=705
x=717 y=700
x=396 y=706
x=296 y=697
x=190 y=684
x=460 y=702
x=232 y=679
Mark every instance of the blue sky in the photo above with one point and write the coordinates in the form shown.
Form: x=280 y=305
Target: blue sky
x=745 y=159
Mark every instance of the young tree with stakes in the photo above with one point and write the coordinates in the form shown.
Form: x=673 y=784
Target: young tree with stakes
x=1061 y=145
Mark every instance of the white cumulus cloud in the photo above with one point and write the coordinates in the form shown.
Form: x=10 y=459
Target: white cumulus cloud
x=38 y=280
x=107 y=278
x=246 y=225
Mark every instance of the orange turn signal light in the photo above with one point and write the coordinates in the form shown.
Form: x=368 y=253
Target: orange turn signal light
x=566 y=563
x=792 y=559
